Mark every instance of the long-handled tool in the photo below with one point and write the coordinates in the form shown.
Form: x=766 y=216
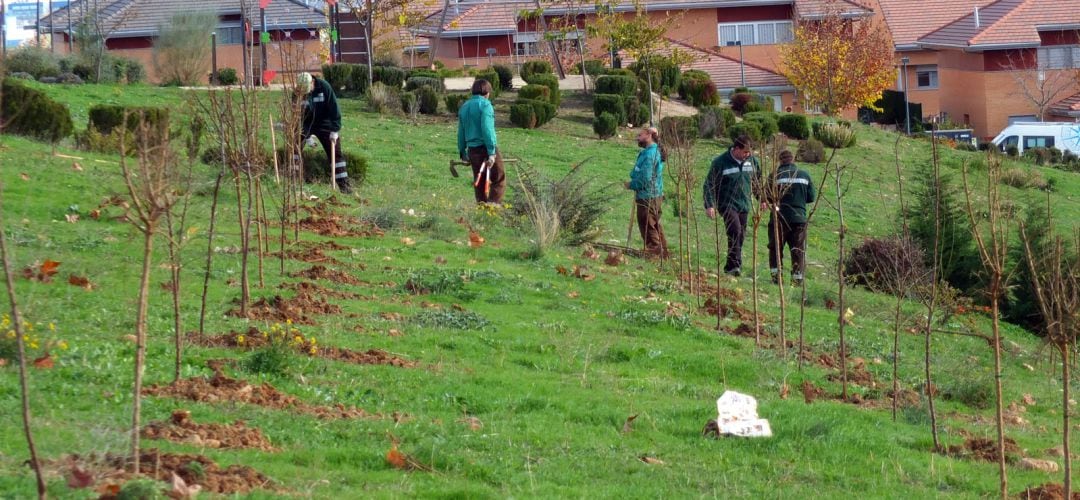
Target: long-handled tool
x=630 y=227
x=333 y=164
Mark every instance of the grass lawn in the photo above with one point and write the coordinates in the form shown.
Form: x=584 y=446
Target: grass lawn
x=524 y=377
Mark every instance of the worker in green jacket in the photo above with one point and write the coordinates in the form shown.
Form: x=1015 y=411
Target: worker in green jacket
x=789 y=190
x=322 y=124
x=647 y=182
x=478 y=146
x=732 y=179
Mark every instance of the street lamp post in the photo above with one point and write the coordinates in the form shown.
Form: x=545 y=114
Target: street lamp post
x=907 y=102
x=742 y=65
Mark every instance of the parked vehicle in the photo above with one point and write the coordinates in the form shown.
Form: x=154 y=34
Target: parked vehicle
x=1060 y=135
x=959 y=135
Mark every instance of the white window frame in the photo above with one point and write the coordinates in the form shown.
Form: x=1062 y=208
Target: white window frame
x=1067 y=57
x=932 y=71
x=756 y=32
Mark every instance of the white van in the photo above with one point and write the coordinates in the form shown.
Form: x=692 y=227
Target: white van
x=1026 y=135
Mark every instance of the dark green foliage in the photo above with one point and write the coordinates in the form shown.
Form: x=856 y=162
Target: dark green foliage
x=551 y=82
x=409 y=102
x=545 y=111
x=1040 y=156
x=104 y=118
x=316 y=164
x=617 y=84
x=339 y=76
x=416 y=82
x=415 y=72
x=637 y=112
x=506 y=76
x=713 y=121
x=665 y=74
x=523 y=115
x=689 y=76
x=767 y=122
x=273 y=359
x=960 y=263
x=701 y=93
x=748 y=128
x=1012 y=151
x=593 y=67
x=358 y=83
x=810 y=151
x=739 y=102
x=794 y=126
x=134 y=71
x=228 y=76
x=619 y=72
x=493 y=78
x=451 y=320
x=429 y=100
x=390 y=76
x=537 y=92
x=33 y=60
x=31 y=113
x=454 y=102
x=679 y=130
x=531 y=68
x=612 y=104
x=606 y=125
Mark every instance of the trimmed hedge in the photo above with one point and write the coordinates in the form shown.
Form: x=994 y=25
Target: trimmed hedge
x=408 y=100
x=740 y=100
x=637 y=112
x=454 y=102
x=533 y=91
x=701 y=93
x=532 y=68
x=31 y=113
x=416 y=82
x=523 y=115
x=424 y=72
x=338 y=75
x=550 y=81
x=610 y=104
x=794 y=126
x=811 y=151
x=545 y=111
x=493 y=78
x=359 y=83
x=616 y=84
x=390 y=76
x=104 y=118
x=748 y=128
x=592 y=67
x=767 y=122
x=686 y=79
x=606 y=125
x=506 y=76
x=429 y=100
x=714 y=120
x=228 y=76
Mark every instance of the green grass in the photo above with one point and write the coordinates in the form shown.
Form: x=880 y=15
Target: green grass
x=550 y=364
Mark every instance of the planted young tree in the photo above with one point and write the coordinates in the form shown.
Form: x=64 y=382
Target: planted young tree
x=837 y=63
x=1036 y=85
x=94 y=30
x=182 y=50
x=678 y=135
x=151 y=185
x=771 y=193
x=931 y=299
x=994 y=252
x=1056 y=284
x=841 y=171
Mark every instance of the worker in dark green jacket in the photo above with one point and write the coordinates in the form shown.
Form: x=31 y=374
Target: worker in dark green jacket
x=647 y=182
x=477 y=144
x=322 y=124
x=733 y=179
x=789 y=191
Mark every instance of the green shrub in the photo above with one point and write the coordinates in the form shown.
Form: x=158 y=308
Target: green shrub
x=31 y=113
x=382 y=98
x=141 y=489
x=410 y=102
x=679 y=130
x=134 y=71
x=665 y=74
x=834 y=135
x=33 y=60
x=1040 y=156
x=749 y=128
x=1012 y=151
x=593 y=67
x=506 y=76
x=429 y=100
x=616 y=84
x=713 y=121
x=687 y=79
x=416 y=82
x=551 y=82
x=767 y=122
x=454 y=102
x=451 y=320
x=531 y=68
x=106 y=117
x=606 y=125
x=611 y=104
x=739 y=101
x=536 y=92
x=390 y=76
x=424 y=72
x=227 y=76
x=795 y=126
x=493 y=78
x=701 y=93
x=358 y=83
x=755 y=107
x=637 y=112
x=339 y=76
x=523 y=115
x=545 y=111
x=810 y=151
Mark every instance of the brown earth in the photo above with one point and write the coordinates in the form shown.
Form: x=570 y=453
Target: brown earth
x=337 y=226
x=253 y=339
x=313 y=255
x=114 y=470
x=313 y=289
x=369 y=357
x=297 y=309
x=1049 y=491
x=323 y=273
x=983 y=449
x=182 y=429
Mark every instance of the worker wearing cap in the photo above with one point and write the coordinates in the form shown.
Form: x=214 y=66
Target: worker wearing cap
x=789 y=192
x=322 y=123
x=647 y=182
x=478 y=146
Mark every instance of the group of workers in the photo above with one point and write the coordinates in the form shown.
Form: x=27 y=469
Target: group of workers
x=734 y=178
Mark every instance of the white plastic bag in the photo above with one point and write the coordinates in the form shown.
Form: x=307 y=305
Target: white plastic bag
x=737 y=416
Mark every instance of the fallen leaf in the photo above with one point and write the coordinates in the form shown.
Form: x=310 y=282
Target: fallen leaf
x=784 y=391
x=76 y=167
x=44 y=362
x=573 y=295
x=614 y=258
x=81 y=282
x=109 y=490
x=24 y=176
x=651 y=460
x=848 y=314
x=474 y=423
x=50 y=267
x=95 y=214
x=561 y=269
x=80 y=478
x=1029 y=400
x=830 y=304
x=590 y=253
x=628 y=426
x=181 y=490
x=475 y=240
x=401 y=461
x=408 y=241
x=583 y=273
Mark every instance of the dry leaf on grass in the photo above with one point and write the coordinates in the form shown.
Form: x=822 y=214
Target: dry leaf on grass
x=42 y=272
x=76 y=167
x=80 y=478
x=784 y=391
x=475 y=240
x=628 y=426
x=71 y=218
x=80 y=281
x=651 y=460
x=44 y=362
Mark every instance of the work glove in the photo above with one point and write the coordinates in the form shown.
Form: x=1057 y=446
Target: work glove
x=311 y=141
x=491 y=160
x=334 y=136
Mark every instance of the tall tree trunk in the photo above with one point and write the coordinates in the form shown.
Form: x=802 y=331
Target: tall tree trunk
x=209 y=253
x=24 y=387
x=174 y=266
x=754 y=277
x=995 y=290
x=140 y=342
x=896 y=357
x=1065 y=409
x=841 y=304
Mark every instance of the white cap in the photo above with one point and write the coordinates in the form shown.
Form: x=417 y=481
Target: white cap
x=304 y=80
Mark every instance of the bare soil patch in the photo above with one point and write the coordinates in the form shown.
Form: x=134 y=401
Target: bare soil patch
x=323 y=273
x=180 y=428
x=983 y=449
x=334 y=225
x=309 y=288
x=1049 y=491
x=109 y=472
x=298 y=309
x=253 y=339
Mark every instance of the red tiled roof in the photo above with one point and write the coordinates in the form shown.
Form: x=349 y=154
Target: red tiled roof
x=910 y=20
x=480 y=16
x=723 y=70
x=818 y=8
x=144 y=17
x=1069 y=106
x=1006 y=22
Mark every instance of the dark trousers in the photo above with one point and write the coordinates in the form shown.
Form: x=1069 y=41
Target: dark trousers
x=792 y=235
x=735 y=223
x=339 y=170
x=648 y=220
x=487 y=191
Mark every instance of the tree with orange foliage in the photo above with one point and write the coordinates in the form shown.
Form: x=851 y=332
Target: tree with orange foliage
x=838 y=63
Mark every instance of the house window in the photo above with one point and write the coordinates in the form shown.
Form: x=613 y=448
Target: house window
x=1038 y=141
x=230 y=35
x=527 y=44
x=758 y=33
x=926 y=77
x=1063 y=57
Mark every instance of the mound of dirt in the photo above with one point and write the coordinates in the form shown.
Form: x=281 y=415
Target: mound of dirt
x=313 y=255
x=906 y=398
x=1049 y=491
x=253 y=339
x=309 y=288
x=221 y=388
x=323 y=273
x=727 y=308
x=250 y=339
x=181 y=429
x=337 y=226
x=983 y=449
x=278 y=310
x=369 y=357
x=811 y=391
x=194 y=469
x=857 y=375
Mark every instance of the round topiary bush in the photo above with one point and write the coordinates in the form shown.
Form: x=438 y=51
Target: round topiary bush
x=747 y=128
x=429 y=100
x=700 y=93
x=617 y=84
x=506 y=76
x=409 y=102
x=606 y=125
x=766 y=120
x=338 y=75
x=523 y=115
x=531 y=68
x=611 y=104
x=31 y=113
x=551 y=82
x=810 y=151
x=228 y=76
x=416 y=82
x=537 y=92
x=454 y=102
x=493 y=78
x=794 y=126
x=545 y=111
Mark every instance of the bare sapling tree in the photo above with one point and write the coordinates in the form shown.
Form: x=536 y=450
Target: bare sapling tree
x=290 y=122
x=771 y=192
x=1055 y=279
x=824 y=184
x=756 y=213
x=841 y=174
x=151 y=185
x=992 y=239
x=1037 y=85
x=931 y=299
x=678 y=137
